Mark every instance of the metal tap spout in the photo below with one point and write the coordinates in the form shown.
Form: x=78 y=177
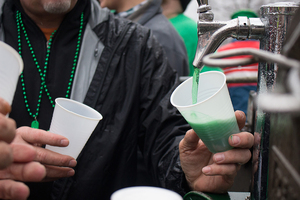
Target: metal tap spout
x=202 y=2
x=211 y=33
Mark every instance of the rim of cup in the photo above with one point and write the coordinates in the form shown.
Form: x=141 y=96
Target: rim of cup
x=146 y=190
x=191 y=79
x=97 y=117
x=15 y=54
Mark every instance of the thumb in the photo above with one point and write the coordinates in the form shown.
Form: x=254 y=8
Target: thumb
x=241 y=118
x=5 y=107
x=190 y=141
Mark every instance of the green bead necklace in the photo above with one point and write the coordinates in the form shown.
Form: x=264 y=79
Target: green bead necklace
x=42 y=73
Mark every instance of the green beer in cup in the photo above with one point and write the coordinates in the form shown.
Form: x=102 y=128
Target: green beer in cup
x=212 y=117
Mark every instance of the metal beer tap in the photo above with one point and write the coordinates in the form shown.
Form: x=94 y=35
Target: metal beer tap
x=270 y=29
x=212 y=33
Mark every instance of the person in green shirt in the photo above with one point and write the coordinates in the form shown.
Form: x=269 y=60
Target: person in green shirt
x=186 y=27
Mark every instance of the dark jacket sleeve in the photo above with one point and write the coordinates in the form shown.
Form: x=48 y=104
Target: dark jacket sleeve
x=162 y=126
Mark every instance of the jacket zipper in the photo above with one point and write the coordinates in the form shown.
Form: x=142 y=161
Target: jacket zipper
x=93 y=105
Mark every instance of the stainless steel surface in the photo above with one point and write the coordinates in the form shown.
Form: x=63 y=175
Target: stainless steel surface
x=284 y=162
x=276 y=18
x=212 y=33
x=249 y=127
x=256 y=56
x=202 y=2
x=286 y=102
x=256 y=28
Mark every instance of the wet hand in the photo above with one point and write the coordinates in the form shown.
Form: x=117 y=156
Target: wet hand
x=57 y=165
x=22 y=169
x=209 y=172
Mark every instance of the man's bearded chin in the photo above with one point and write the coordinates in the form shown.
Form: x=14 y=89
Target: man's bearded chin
x=57 y=7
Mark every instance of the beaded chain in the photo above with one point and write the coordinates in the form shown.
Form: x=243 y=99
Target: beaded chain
x=20 y=25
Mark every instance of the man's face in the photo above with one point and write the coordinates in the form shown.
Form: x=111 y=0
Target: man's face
x=48 y=6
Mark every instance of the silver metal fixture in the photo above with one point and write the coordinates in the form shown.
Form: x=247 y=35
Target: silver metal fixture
x=270 y=29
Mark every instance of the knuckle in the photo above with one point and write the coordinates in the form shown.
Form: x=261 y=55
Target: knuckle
x=249 y=141
x=22 y=130
x=64 y=161
x=7 y=127
x=5 y=107
x=41 y=156
x=247 y=155
x=231 y=170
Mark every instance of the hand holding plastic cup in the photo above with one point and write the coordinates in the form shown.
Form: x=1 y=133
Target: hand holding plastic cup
x=145 y=193
x=75 y=121
x=212 y=117
x=11 y=66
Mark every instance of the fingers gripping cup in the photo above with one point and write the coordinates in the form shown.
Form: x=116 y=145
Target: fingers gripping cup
x=11 y=66
x=75 y=121
x=212 y=117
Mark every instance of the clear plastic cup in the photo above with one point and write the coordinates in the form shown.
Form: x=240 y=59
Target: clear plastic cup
x=145 y=193
x=212 y=117
x=11 y=66
x=75 y=121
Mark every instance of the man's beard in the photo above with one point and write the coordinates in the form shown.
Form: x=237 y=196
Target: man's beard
x=57 y=7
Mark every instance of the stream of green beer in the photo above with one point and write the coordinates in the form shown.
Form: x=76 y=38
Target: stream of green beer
x=195 y=84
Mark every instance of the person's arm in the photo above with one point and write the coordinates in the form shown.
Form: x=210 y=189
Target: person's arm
x=15 y=160
x=163 y=128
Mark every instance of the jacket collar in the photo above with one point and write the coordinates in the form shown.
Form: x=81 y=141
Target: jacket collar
x=146 y=12
x=98 y=14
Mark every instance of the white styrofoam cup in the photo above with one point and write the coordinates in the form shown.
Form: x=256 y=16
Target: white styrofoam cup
x=75 y=121
x=11 y=66
x=145 y=193
x=212 y=117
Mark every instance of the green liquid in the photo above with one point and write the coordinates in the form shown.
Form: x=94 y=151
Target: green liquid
x=215 y=134
x=195 y=84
